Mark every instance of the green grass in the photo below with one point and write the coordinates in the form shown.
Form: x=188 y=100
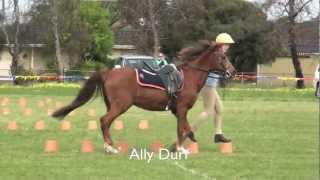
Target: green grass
x=275 y=136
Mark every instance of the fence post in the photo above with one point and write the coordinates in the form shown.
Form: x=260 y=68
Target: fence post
x=63 y=74
x=284 y=84
x=242 y=78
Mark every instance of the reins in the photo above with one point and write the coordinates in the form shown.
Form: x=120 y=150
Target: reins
x=206 y=70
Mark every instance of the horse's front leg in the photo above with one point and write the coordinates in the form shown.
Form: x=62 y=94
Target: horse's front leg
x=183 y=129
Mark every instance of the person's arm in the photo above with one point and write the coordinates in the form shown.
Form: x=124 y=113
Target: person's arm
x=161 y=62
x=164 y=61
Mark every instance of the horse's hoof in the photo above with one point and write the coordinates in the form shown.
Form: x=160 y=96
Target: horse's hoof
x=109 y=149
x=183 y=150
x=191 y=136
x=172 y=147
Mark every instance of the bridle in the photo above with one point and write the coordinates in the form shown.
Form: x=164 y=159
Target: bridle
x=226 y=74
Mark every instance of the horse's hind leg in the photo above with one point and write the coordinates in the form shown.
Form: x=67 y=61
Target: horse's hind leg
x=188 y=133
x=183 y=131
x=105 y=121
x=106 y=100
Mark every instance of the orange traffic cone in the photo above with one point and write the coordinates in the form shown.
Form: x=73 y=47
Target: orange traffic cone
x=225 y=148
x=50 y=112
x=87 y=146
x=92 y=125
x=155 y=146
x=39 y=125
x=193 y=148
x=27 y=112
x=51 y=146
x=12 y=126
x=58 y=104
x=5 y=111
x=23 y=102
x=65 y=125
x=118 y=125
x=123 y=146
x=41 y=104
x=5 y=101
x=143 y=124
x=92 y=113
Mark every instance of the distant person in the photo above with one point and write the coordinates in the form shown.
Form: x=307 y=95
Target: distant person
x=169 y=75
x=316 y=81
x=211 y=100
x=161 y=60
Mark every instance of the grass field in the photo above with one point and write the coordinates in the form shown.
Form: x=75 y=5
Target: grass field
x=275 y=136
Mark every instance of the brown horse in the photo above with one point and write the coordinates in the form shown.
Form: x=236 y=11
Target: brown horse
x=121 y=90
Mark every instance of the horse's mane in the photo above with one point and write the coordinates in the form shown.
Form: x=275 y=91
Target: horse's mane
x=193 y=52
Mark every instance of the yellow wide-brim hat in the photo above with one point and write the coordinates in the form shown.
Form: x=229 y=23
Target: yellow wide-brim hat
x=224 y=38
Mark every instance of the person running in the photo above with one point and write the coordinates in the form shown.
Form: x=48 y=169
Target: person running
x=211 y=100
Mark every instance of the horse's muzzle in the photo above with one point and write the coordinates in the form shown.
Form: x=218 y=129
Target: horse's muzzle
x=228 y=74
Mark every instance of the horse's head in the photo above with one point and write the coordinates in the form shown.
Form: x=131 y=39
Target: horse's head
x=208 y=57
x=218 y=62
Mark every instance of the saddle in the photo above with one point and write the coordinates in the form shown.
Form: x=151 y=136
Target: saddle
x=167 y=78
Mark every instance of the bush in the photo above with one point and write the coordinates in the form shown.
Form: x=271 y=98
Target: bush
x=25 y=80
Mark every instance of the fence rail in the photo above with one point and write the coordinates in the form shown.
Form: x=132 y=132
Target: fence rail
x=75 y=75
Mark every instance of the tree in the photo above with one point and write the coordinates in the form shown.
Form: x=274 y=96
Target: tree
x=64 y=21
x=146 y=16
x=96 y=19
x=55 y=30
x=292 y=9
x=181 y=22
x=83 y=28
x=255 y=39
x=12 y=38
x=154 y=28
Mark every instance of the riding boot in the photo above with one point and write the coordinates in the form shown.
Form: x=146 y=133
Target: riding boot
x=219 y=138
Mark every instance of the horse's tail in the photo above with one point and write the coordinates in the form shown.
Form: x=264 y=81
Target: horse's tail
x=93 y=84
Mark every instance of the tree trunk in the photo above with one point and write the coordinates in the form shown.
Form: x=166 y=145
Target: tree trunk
x=156 y=43
x=14 y=64
x=15 y=50
x=293 y=45
x=55 y=29
x=3 y=26
x=58 y=49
